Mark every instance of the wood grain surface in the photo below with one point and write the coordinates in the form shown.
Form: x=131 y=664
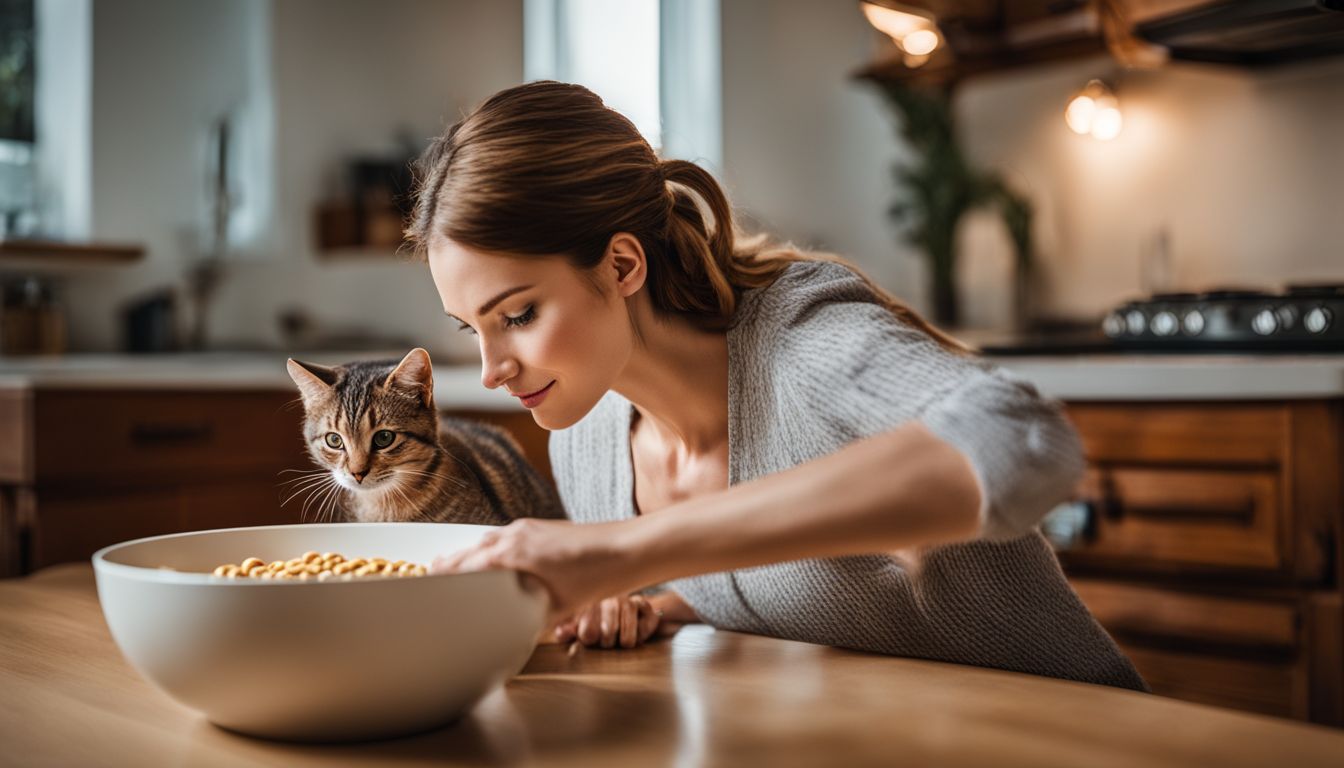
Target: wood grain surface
x=706 y=697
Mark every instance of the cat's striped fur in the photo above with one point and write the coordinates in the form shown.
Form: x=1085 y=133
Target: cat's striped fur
x=429 y=468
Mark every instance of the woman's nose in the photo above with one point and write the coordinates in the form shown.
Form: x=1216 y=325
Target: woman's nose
x=497 y=367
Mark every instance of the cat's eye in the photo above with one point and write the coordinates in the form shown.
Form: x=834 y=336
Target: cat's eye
x=383 y=438
x=334 y=441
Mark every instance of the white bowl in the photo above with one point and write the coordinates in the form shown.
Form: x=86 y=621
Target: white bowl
x=310 y=660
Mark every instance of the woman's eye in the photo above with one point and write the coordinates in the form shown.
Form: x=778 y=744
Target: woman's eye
x=383 y=438
x=528 y=316
x=334 y=441
x=467 y=328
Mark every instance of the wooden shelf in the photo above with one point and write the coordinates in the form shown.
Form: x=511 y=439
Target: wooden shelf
x=37 y=254
x=986 y=37
x=344 y=230
x=951 y=71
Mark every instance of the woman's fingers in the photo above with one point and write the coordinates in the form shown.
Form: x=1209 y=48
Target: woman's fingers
x=566 y=631
x=647 y=618
x=628 y=637
x=611 y=620
x=589 y=633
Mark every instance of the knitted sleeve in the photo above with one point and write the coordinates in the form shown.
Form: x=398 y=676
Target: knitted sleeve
x=843 y=353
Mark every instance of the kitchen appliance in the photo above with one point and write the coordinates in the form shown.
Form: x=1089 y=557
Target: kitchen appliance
x=1299 y=319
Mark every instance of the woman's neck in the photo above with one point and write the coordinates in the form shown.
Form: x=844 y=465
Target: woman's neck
x=677 y=379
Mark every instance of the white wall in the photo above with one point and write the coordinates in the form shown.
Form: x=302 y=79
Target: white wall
x=1245 y=169
x=807 y=150
x=162 y=72
x=345 y=76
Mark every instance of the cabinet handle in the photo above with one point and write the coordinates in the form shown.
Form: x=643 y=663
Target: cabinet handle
x=170 y=434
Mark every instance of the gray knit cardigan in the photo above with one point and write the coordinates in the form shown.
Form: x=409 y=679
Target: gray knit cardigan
x=815 y=362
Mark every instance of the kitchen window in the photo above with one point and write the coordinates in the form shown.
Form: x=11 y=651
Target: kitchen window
x=655 y=61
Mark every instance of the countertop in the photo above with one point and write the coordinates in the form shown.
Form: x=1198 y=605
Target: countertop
x=457 y=386
x=67 y=697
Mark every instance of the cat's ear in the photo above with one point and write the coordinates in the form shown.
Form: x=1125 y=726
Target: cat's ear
x=414 y=374
x=314 y=381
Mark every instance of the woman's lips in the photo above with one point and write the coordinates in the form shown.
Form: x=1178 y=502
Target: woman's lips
x=533 y=399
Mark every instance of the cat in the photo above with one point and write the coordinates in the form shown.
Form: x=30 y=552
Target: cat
x=388 y=456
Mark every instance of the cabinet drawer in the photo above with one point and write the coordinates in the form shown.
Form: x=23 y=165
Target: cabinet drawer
x=1279 y=688
x=1167 y=516
x=1170 y=614
x=1210 y=433
x=149 y=437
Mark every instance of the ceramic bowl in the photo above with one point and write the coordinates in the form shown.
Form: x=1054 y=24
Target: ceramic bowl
x=317 y=660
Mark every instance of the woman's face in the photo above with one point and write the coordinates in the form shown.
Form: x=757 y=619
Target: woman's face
x=542 y=325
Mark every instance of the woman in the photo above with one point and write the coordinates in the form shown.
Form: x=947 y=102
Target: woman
x=779 y=442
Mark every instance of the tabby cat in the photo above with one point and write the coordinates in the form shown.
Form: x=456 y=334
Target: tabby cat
x=387 y=455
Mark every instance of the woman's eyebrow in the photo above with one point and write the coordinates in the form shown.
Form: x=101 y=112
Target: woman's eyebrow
x=487 y=306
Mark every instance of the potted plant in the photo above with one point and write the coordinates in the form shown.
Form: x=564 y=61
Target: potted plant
x=940 y=187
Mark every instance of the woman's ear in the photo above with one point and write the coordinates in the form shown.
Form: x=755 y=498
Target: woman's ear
x=626 y=256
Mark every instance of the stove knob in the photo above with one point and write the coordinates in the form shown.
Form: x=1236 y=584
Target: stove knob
x=1113 y=325
x=1265 y=322
x=1193 y=322
x=1287 y=315
x=1135 y=322
x=1318 y=320
x=1165 y=323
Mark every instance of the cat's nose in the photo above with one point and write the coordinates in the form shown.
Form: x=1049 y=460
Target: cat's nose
x=359 y=476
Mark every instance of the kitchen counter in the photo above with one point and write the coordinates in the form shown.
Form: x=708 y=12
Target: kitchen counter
x=704 y=698
x=458 y=386
x=1182 y=377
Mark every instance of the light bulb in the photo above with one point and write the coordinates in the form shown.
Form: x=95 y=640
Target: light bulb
x=1094 y=110
x=1107 y=124
x=921 y=42
x=895 y=24
x=1080 y=113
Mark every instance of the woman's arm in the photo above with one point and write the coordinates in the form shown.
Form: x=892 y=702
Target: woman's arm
x=902 y=488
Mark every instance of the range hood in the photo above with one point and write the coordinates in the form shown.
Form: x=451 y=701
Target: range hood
x=1247 y=32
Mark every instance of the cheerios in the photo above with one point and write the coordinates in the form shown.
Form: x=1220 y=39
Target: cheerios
x=312 y=566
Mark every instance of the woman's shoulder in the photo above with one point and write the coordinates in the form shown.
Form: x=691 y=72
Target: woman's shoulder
x=825 y=300
x=815 y=281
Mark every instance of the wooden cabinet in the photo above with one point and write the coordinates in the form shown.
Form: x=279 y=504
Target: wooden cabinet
x=1211 y=549
x=81 y=468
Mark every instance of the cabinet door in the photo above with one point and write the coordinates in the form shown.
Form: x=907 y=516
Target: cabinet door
x=1250 y=491
x=140 y=437
x=71 y=525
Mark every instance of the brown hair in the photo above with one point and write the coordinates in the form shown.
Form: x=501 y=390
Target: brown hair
x=546 y=168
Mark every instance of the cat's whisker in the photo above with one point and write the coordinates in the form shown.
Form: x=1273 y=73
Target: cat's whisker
x=459 y=482
x=316 y=495
x=330 y=506
x=312 y=482
x=301 y=471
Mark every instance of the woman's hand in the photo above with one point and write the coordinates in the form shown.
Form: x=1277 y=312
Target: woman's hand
x=623 y=622
x=578 y=564
x=626 y=622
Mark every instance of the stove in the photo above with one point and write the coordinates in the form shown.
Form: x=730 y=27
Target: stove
x=1299 y=319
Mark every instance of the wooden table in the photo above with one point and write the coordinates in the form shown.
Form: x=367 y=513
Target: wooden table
x=705 y=698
